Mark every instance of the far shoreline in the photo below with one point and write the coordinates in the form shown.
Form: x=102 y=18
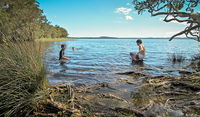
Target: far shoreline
x=126 y=38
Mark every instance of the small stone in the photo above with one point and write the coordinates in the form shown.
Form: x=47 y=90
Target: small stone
x=198 y=93
x=123 y=80
x=192 y=103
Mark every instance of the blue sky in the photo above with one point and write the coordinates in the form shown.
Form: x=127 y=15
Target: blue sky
x=105 y=18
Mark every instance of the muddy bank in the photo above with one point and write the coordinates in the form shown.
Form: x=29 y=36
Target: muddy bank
x=139 y=95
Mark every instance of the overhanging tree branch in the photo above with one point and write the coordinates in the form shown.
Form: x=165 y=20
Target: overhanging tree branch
x=185 y=31
x=180 y=14
x=179 y=10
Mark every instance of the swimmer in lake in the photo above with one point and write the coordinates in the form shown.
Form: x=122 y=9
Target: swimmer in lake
x=62 y=53
x=139 y=56
x=73 y=48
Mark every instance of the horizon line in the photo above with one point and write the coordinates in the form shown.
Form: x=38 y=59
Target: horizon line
x=118 y=37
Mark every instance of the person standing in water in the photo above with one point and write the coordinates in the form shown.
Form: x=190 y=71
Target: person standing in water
x=139 y=56
x=62 y=53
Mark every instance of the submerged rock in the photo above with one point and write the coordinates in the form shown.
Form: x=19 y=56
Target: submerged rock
x=185 y=72
x=159 y=110
x=134 y=74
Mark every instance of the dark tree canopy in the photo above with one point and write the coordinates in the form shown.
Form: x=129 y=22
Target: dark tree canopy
x=187 y=11
x=24 y=20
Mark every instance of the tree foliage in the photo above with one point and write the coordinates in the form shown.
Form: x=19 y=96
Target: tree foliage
x=24 y=20
x=187 y=11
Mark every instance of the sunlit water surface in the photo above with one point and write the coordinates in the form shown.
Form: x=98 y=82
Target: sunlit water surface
x=99 y=60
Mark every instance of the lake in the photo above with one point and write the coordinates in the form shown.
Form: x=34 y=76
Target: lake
x=100 y=60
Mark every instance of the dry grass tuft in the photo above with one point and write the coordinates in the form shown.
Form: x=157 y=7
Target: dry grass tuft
x=22 y=78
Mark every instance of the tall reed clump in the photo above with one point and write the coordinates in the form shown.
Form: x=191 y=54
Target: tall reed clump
x=176 y=58
x=22 y=78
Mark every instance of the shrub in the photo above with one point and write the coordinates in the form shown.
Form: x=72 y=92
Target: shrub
x=22 y=78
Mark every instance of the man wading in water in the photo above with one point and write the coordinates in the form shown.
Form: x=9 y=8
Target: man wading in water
x=141 y=54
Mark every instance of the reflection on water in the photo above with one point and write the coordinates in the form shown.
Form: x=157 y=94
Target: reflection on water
x=96 y=61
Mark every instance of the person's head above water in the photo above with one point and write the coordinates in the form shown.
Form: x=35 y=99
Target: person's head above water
x=139 y=41
x=63 y=46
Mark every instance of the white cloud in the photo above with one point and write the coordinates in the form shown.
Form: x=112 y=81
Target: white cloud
x=128 y=4
x=128 y=17
x=123 y=10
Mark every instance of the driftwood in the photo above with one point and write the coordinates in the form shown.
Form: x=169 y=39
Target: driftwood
x=173 y=93
x=44 y=114
x=111 y=96
x=186 y=86
x=147 y=106
x=130 y=111
x=51 y=106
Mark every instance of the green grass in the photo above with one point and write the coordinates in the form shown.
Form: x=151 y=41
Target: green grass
x=54 y=39
x=22 y=78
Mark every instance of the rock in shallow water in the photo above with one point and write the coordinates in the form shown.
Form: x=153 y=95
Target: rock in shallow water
x=159 y=110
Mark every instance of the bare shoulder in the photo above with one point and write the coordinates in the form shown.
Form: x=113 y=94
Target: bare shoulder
x=141 y=46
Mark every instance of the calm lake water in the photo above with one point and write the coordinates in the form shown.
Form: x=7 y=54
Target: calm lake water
x=99 y=60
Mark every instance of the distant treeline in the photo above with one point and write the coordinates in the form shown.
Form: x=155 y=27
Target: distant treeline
x=24 y=20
